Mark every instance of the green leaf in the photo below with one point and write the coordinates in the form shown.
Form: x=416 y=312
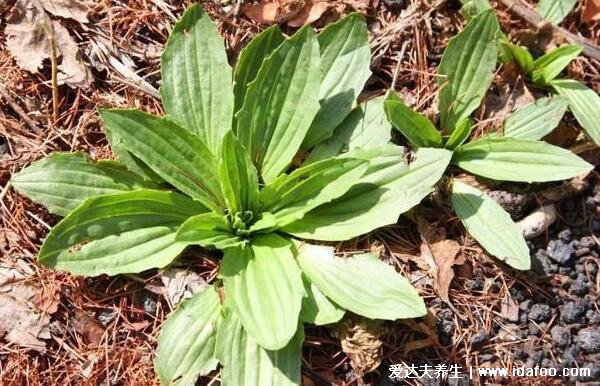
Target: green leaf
x=472 y=8
x=345 y=61
x=280 y=103
x=536 y=119
x=460 y=134
x=247 y=363
x=119 y=233
x=584 y=103
x=239 y=177
x=550 y=65
x=365 y=127
x=289 y=197
x=186 y=345
x=175 y=154
x=521 y=160
x=555 y=10
x=208 y=229
x=467 y=69
x=197 y=89
x=264 y=284
x=316 y=308
x=390 y=187
x=62 y=181
x=520 y=55
x=417 y=128
x=490 y=225
x=361 y=283
x=251 y=58
x=130 y=161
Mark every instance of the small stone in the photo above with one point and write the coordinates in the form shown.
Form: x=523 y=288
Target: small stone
x=394 y=3
x=479 y=338
x=590 y=204
x=565 y=235
x=592 y=317
x=486 y=357
x=474 y=285
x=149 y=302
x=587 y=242
x=540 y=312
x=524 y=306
x=541 y=263
x=594 y=371
x=107 y=316
x=589 y=339
x=561 y=336
x=571 y=354
x=559 y=251
x=573 y=312
x=579 y=287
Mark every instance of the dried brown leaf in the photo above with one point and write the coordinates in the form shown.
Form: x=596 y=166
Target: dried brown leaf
x=311 y=12
x=88 y=327
x=26 y=36
x=441 y=255
x=69 y=9
x=48 y=299
x=591 y=11
x=264 y=12
x=361 y=341
x=21 y=322
x=29 y=32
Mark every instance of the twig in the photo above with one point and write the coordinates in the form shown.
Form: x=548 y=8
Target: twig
x=22 y=114
x=532 y=17
x=53 y=56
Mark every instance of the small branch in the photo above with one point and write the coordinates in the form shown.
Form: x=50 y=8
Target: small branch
x=532 y=17
x=17 y=109
x=53 y=62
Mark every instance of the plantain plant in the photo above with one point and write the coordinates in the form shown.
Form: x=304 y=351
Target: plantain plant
x=516 y=154
x=222 y=170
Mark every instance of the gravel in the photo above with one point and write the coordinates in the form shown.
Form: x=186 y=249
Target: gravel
x=561 y=336
x=560 y=251
x=478 y=339
x=573 y=312
x=540 y=312
x=589 y=339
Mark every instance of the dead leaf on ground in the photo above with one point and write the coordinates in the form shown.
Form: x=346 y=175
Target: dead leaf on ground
x=28 y=35
x=88 y=327
x=311 y=12
x=48 y=299
x=361 y=341
x=441 y=255
x=178 y=284
x=21 y=322
x=294 y=13
x=69 y=9
x=591 y=11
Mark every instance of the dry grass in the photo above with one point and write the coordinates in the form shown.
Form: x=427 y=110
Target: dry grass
x=407 y=45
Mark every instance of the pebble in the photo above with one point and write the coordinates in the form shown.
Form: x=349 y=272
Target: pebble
x=589 y=339
x=540 y=312
x=579 y=287
x=592 y=317
x=587 y=242
x=561 y=336
x=479 y=338
x=565 y=235
x=559 y=251
x=541 y=263
x=573 y=312
x=474 y=285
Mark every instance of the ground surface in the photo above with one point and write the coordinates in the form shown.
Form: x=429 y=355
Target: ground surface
x=102 y=331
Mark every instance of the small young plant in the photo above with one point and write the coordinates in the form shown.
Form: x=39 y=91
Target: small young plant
x=465 y=74
x=583 y=102
x=218 y=171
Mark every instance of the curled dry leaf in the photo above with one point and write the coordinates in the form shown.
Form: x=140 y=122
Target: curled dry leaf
x=88 y=327
x=311 y=12
x=177 y=285
x=29 y=33
x=361 y=341
x=441 y=255
x=21 y=322
x=537 y=222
